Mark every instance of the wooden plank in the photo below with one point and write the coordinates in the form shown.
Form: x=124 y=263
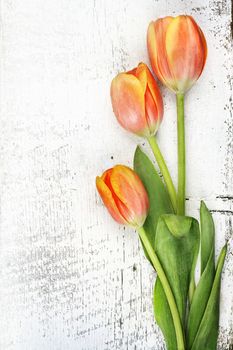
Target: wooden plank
x=70 y=277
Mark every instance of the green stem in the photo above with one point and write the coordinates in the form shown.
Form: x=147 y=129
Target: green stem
x=164 y=170
x=166 y=287
x=181 y=154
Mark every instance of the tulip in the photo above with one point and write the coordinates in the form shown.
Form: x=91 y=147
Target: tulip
x=124 y=195
x=177 y=50
x=137 y=102
x=138 y=106
x=127 y=201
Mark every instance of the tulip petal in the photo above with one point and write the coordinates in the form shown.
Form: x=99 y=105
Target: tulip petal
x=128 y=103
x=123 y=210
x=203 y=44
x=147 y=80
x=205 y=49
x=184 y=49
x=108 y=200
x=129 y=189
x=141 y=74
x=151 y=112
x=153 y=98
x=155 y=92
x=157 y=50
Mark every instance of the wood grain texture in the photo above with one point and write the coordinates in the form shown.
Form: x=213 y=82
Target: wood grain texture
x=70 y=277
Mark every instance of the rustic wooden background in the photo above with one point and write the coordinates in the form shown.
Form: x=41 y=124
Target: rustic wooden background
x=71 y=278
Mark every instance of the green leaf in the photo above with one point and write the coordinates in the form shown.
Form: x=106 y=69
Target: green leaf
x=163 y=316
x=158 y=196
x=159 y=204
x=207 y=237
x=176 y=245
x=207 y=334
x=203 y=290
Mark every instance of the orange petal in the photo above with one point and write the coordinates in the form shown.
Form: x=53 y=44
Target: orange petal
x=152 y=116
x=204 y=45
x=132 y=71
x=128 y=103
x=156 y=47
x=141 y=74
x=108 y=200
x=106 y=177
x=185 y=53
x=130 y=190
x=155 y=92
x=153 y=98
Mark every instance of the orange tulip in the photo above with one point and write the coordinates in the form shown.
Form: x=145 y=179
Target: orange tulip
x=177 y=50
x=124 y=195
x=137 y=102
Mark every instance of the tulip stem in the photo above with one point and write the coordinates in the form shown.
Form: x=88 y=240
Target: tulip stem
x=181 y=154
x=166 y=287
x=164 y=170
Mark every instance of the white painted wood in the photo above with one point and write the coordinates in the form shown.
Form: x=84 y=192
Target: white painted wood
x=71 y=278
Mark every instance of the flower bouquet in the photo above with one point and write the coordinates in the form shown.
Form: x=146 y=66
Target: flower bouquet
x=186 y=310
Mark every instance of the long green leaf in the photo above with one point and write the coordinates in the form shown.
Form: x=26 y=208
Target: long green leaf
x=163 y=316
x=158 y=196
x=203 y=290
x=159 y=204
x=207 y=237
x=177 y=245
x=207 y=334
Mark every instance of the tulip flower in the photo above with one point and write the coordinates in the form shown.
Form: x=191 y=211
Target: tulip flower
x=127 y=201
x=137 y=102
x=177 y=50
x=138 y=106
x=124 y=195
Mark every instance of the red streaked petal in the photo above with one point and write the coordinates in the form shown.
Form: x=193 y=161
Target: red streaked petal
x=155 y=92
x=106 y=176
x=153 y=120
x=129 y=189
x=153 y=98
x=156 y=47
x=184 y=49
x=204 y=46
x=141 y=74
x=108 y=200
x=132 y=71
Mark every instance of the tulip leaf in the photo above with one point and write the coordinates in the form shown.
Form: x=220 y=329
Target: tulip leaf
x=206 y=337
x=203 y=320
x=158 y=195
x=176 y=245
x=203 y=290
x=163 y=316
x=207 y=237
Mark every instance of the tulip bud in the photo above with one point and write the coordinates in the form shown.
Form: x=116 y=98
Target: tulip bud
x=124 y=195
x=177 y=50
x=137 y=102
